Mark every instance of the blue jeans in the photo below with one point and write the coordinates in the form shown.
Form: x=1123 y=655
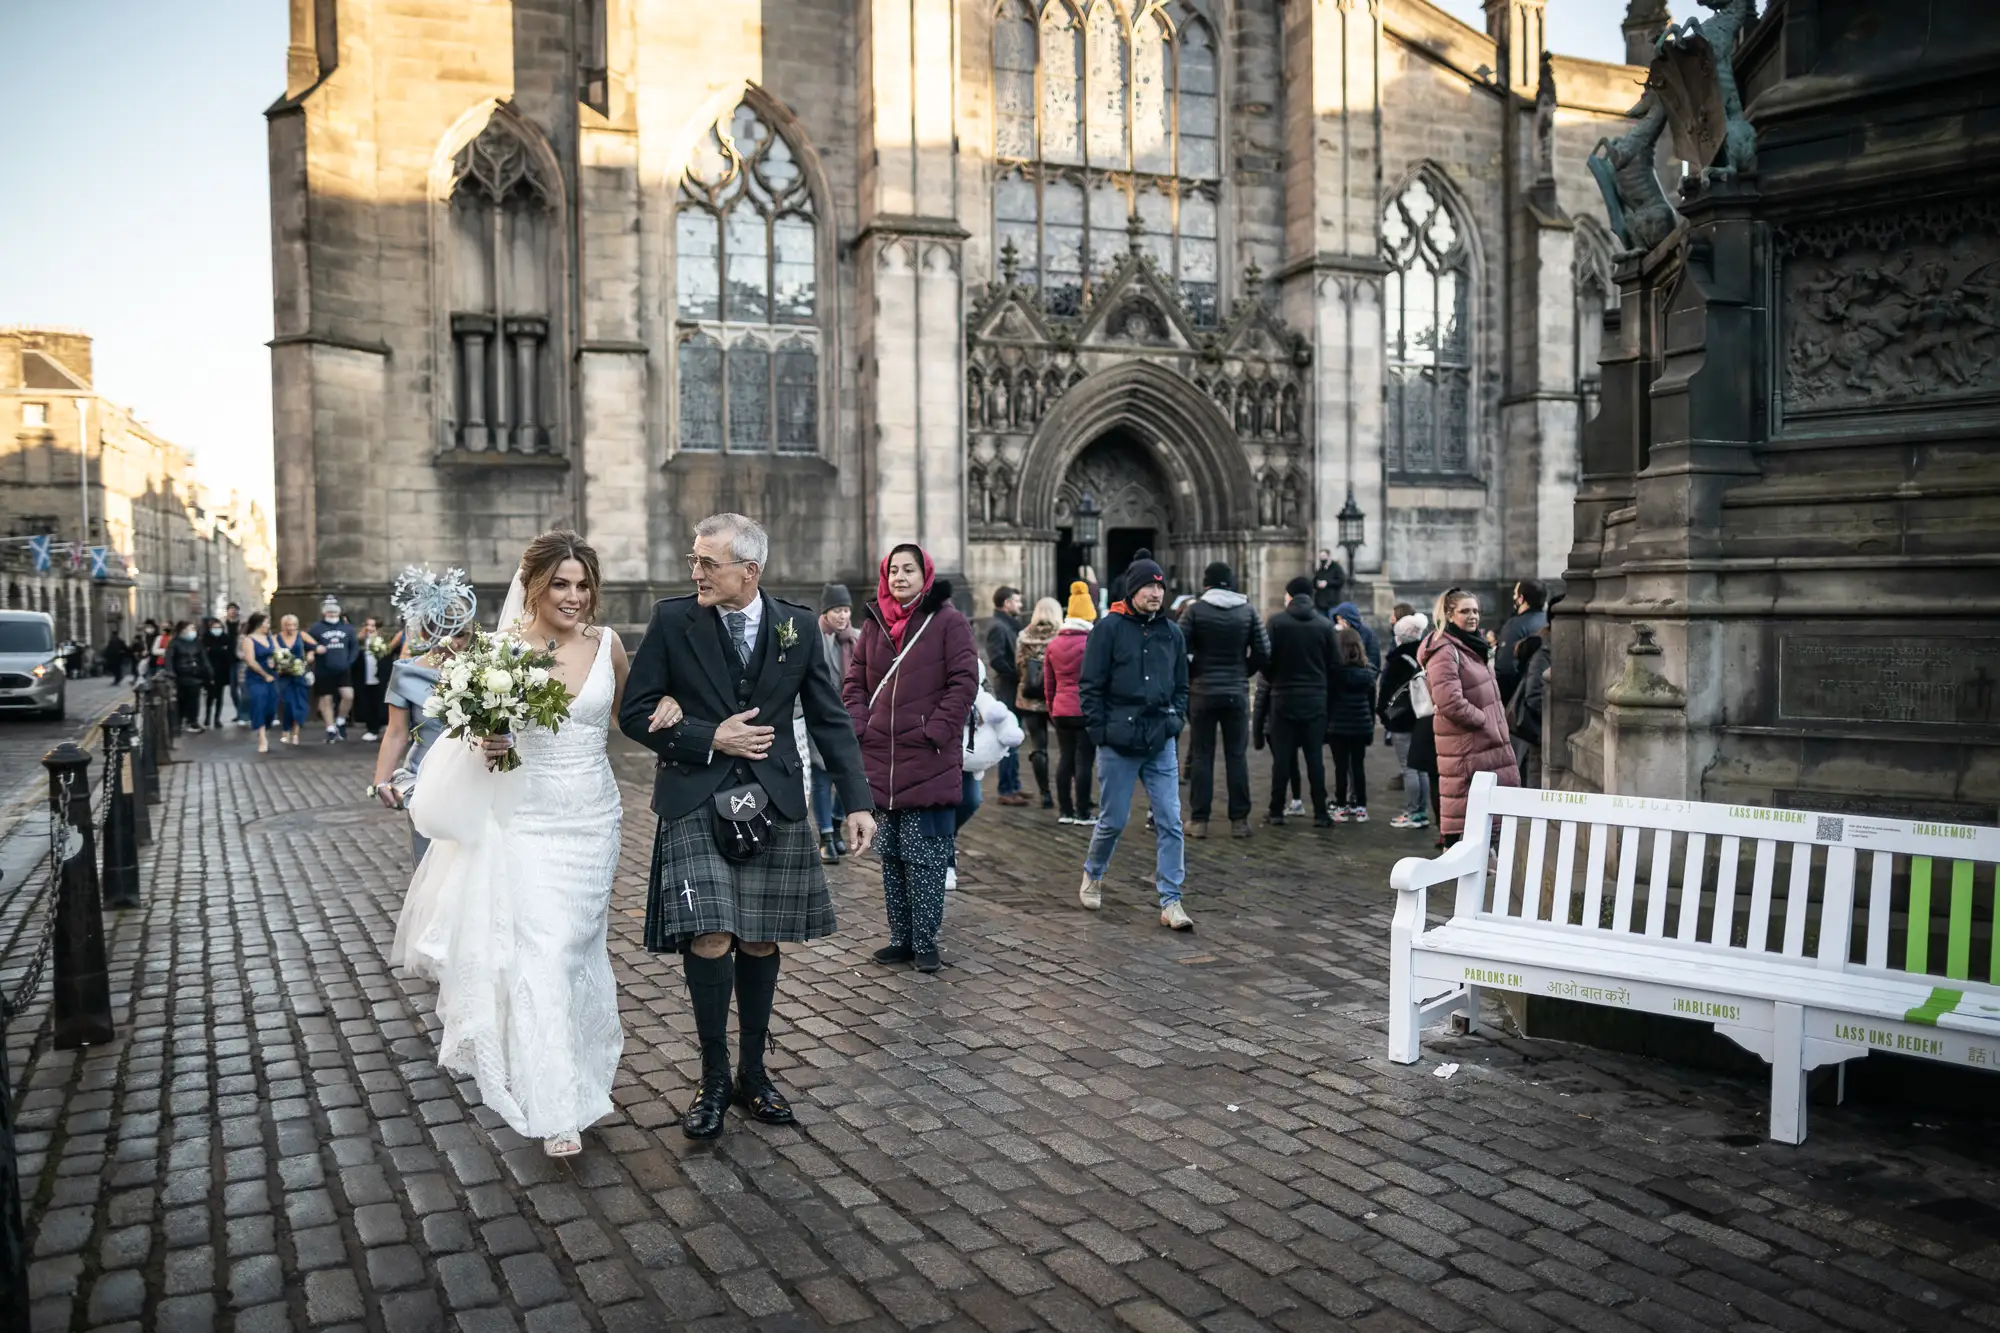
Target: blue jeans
x=826 y=804
x=1117 y=774
x=1010 y=773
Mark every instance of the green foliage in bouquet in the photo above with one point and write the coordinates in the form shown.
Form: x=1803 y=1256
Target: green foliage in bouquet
x=496 y=686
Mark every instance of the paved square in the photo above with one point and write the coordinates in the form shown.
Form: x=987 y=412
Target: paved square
x=1085 y=1122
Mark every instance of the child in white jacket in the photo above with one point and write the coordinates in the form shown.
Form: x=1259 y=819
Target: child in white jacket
x=990 y=733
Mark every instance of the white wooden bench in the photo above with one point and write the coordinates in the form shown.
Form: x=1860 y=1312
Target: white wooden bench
x=1771 y=958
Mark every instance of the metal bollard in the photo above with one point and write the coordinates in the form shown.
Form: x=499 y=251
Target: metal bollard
x=163 y=721
x=121 y=847
x=82 y=998
x=13 y=1227
x=149 y=752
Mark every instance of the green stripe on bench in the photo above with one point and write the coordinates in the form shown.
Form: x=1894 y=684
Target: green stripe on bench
x=1941 y=1001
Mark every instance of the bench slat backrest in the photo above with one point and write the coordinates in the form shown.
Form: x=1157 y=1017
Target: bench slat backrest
x=1944 y=878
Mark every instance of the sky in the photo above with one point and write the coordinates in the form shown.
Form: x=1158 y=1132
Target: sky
x=136 y=205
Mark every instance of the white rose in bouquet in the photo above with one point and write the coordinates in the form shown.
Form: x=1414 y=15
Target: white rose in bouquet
x=497 y=680
x=537 y=676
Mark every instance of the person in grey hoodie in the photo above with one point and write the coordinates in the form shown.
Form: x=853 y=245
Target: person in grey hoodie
x=1227 y=644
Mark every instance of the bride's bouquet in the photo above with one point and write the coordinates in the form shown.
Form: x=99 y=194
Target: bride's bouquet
x=285 y=663
x=493 y=686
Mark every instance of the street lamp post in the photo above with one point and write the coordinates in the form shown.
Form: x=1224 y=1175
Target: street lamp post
x=1353 y=523
x=1086 y=515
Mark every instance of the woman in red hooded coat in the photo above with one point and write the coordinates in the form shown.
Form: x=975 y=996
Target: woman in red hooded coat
x=909 y=688
x=1470 y=723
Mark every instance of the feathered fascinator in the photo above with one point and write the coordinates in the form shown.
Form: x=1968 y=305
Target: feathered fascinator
x=438 y=605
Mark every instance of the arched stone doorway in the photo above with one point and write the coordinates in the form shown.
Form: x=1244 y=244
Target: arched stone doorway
x=1134 y=507
x=1163 y=464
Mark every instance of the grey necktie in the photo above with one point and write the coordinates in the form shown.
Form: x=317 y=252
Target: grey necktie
x=738 y=622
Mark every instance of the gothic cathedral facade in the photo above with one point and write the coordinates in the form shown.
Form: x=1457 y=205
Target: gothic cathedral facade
x=1200 y=275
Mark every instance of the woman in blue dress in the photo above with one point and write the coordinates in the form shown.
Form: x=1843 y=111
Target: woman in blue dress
x=294 y=702
x=260 y=683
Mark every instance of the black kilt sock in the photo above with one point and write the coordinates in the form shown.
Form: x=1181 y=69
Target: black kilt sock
x=756 y=987
x=709 y=982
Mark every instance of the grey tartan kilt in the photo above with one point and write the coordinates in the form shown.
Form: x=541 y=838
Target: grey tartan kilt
x=779 y=897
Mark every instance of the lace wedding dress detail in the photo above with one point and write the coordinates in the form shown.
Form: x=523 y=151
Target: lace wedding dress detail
x=509 y=911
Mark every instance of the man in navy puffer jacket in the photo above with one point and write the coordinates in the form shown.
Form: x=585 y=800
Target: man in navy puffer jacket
x=1134 y=690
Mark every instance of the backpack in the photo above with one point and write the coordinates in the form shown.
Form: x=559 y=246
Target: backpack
x=1032 y=684
x=1420 y=696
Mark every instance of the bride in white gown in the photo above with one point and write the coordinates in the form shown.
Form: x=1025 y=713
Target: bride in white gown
x=509 y=909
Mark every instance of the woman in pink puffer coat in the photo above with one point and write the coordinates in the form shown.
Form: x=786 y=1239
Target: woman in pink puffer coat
x=1470 y=721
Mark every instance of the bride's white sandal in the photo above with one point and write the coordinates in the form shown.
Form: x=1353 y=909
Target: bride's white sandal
x=563 y=1145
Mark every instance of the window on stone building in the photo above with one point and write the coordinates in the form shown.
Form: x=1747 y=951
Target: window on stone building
x=34 y=414
x=1426 y=308
x=747 y=293
x=1104 y=110
x=504 y=237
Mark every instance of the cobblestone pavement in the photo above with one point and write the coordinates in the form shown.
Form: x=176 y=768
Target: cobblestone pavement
x=1086 y=1122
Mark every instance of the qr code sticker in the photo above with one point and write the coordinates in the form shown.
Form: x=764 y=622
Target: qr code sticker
x=1829 y=829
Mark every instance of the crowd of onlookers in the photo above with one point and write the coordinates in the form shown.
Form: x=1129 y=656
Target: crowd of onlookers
x=274 y=676
x=1102 y=689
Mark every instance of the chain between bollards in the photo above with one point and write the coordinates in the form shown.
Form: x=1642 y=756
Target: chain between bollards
x=121 y=845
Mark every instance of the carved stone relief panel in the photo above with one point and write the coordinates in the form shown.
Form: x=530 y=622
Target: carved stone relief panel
x=1891 y=310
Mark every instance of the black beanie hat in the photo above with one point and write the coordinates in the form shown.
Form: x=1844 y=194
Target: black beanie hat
x=1218 y=575
x=1143 y=570
x=1299 y=587
x=832 y=595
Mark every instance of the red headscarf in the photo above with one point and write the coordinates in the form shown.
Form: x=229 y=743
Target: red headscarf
x=894 y=614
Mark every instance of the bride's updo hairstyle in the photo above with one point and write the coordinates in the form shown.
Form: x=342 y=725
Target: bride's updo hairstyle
x=544 y=556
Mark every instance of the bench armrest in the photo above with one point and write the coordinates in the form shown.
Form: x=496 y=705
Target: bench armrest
x=1467 y=857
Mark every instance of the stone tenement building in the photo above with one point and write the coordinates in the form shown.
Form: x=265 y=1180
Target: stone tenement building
x=179 y=549
x=874 y=270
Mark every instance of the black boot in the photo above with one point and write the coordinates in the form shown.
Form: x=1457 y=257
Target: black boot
x=709 y=982
x=829 y=849
x=756 y=987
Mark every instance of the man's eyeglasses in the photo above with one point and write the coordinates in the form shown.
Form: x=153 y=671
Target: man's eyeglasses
x=701 y=564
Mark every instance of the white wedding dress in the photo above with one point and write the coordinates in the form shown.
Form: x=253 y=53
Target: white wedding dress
x=509 y=912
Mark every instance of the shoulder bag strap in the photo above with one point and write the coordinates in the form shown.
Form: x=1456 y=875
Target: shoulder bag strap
x=879 y=685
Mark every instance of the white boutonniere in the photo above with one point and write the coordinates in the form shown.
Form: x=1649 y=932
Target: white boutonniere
x=788 y=637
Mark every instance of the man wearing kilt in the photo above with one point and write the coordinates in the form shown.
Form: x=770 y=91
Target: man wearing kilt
x=714 y=679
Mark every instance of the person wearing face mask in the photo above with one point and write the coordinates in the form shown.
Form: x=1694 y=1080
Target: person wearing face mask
x=218 y=644
x=1469 y=721
x=1134 y=691
x=914 y=677
x=188 y=665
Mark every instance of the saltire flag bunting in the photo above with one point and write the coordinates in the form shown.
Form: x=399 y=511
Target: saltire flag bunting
x=40 y=547
x=100 y=562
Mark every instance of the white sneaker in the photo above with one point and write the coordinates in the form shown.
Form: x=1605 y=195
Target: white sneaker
x=369 y=736
x=1091 y=895
x=950 y=878
x=1175 y=917
x=1297 y=807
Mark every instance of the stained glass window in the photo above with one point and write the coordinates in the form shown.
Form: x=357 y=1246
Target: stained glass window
x=1104 y=109
x=701 y=392
x=1197 y=96
x=798 y=396
x=1426 y=298
x=747 y=277
x=1105 y=86
x=1062 y=83
x=1014 y=80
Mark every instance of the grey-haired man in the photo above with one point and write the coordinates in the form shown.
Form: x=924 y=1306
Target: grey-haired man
x=716 y=676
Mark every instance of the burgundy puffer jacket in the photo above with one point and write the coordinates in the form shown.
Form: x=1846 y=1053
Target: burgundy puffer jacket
x=1062 y=668
x=912 y=738
x=1470 y=723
